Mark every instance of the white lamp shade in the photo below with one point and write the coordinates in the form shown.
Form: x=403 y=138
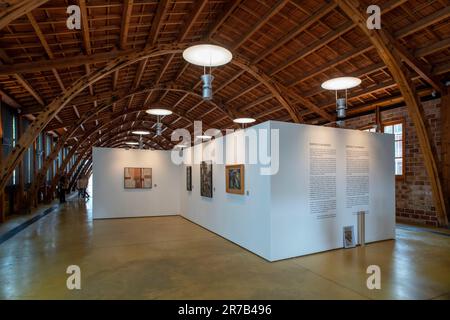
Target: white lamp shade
x=132 y=143
x=341 y=83
x=205 y=137
x=244 y=120
x=159 y=112
x=208 y=55
x=141 y=132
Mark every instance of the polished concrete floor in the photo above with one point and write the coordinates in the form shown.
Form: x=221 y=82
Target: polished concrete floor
x=172 y=258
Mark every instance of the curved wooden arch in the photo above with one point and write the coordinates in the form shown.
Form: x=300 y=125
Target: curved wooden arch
x=39 y=178
x=18 y=9
x=91 y=114
x=51 y=110
x=390 y=55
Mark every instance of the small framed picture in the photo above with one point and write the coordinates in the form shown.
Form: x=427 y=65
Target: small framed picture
x=349 y=237
x=235 y=178
x=189 y=178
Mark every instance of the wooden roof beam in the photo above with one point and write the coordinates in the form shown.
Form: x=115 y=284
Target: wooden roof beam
x=330 y=36
x=152 y=38
x=387 y=51
x=47 y=49
x=29 y=88
x=232 y=5
x=86 y=36
x=126 y=17
x=18 y=9
x=226 y=12
x=423 y=23
x=273 y=11
x=9 y=101
x=322 y=11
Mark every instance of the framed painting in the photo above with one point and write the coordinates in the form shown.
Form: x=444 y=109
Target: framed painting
x=349 y=237
x=206 y=186
x=137 y=178
x=235 y=179
x=189 y=178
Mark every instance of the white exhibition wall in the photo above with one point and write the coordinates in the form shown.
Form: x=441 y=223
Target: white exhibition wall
x=243 y=219
x=324 y=176
x=295 y=229
x=112 y=200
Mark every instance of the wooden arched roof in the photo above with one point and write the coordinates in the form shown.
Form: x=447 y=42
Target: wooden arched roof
x=92 y=85
x=293 y=45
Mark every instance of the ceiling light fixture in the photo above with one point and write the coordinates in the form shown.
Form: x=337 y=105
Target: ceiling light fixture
x=244 y=120
x=159 y=112
x=132 y=143
x=141 y=132
x=207 y=55
x=341 y=83
x=204 y=137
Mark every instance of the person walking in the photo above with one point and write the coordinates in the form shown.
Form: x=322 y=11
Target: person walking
x=83 y=185
x=62 y=189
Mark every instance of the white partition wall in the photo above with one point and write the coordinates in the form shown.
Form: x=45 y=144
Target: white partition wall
x=243 y=219
x=321 y=178
x=325 y=176
x=112 y=200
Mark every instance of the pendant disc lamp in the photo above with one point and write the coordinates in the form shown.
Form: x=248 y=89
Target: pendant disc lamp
x=159 y=113
x=339 y=84
x=207 y=56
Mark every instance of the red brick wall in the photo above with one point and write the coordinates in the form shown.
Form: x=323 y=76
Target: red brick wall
x=414 y=202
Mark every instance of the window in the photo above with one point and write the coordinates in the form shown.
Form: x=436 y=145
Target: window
x=396 y=128
x=39 y=151
x=29 y=164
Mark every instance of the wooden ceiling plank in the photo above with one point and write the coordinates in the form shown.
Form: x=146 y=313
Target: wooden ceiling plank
x=151 y=40
x=126 y=17
x=273 y=11
x=47 y=49
x=423 y=23
x=432 y=48
x=322 y=11
x=330 y=36
x=8 y=100
x=17 y=10
x=226 y=12
x=189 y=21
x=29 y=88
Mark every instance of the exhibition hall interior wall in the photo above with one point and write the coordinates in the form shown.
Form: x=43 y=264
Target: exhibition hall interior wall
x=243 y=219
x=326 y=175
x=323 y=177
x=112 y=200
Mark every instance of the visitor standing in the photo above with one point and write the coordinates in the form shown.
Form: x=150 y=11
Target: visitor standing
x=62 y=189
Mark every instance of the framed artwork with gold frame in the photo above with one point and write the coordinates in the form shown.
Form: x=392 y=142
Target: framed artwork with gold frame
x=235 y=178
